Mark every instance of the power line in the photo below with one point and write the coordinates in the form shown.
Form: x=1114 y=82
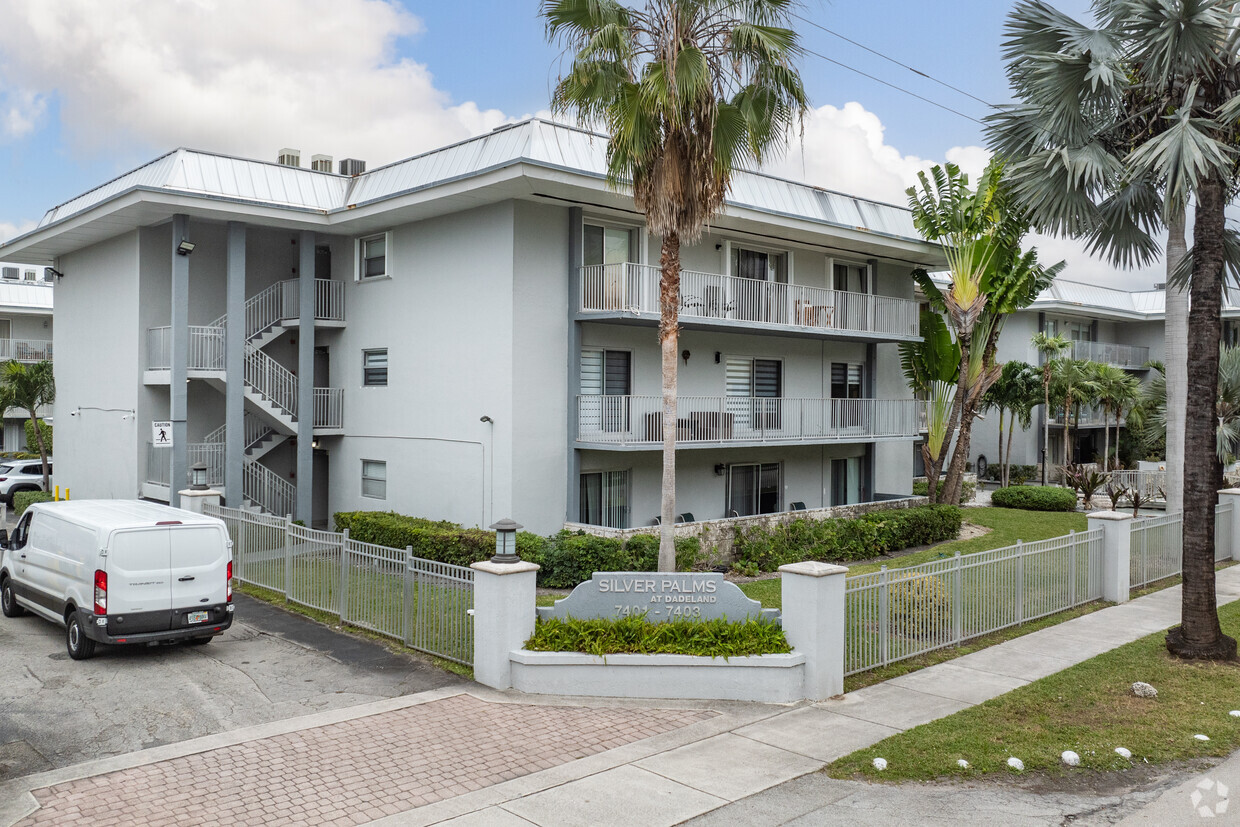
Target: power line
x=893 y=60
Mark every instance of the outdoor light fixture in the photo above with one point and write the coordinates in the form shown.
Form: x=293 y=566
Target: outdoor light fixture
x=486 y=419
x=198 y=477
x=185 y=248
x=684 y=354
x=506 y=541
x=52 y=271
x=719 y=469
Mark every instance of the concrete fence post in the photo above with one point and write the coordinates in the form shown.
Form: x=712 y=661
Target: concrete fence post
x=194 y=501
x=1116 y=552
x=813 y=618
x=504 y=613
x=1232 y=495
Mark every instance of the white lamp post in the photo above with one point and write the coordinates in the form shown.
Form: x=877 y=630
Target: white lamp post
x=506 y=541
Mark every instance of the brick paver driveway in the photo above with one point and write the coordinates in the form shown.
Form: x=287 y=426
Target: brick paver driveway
x=354 y=771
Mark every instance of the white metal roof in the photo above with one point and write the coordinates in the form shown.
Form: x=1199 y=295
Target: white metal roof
x=534 y=141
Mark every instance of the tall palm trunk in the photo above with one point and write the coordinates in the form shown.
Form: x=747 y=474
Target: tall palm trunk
x=1000 y=447
x=1175 y=345
x=38 y=437
x=669 y=339
x=1067 y=430
x=1199 y=634
x=1007 y=469
x=1106 y=436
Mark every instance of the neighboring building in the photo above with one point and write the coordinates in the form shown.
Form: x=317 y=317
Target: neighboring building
x=1119 y=327
x=479 y=323
x=25 y=334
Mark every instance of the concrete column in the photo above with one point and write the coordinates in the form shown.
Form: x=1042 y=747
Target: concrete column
x=1116 y=552
x=305 y=380
x=194 y=501
x=575 y=229
x=234 y=368
x=813 y=618
x=504 y=595
x=178 y=391
x=1232 y=495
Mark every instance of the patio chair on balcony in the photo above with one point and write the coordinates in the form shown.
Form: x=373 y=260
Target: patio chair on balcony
x=687 y=517
x=796 y=506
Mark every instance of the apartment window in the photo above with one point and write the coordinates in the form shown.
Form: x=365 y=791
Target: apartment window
x=608 y=376
x=754 y=389
x=759 y=265
x=375 y=367
x=753 y=489
x=31 y=275
x=607 y=245
x=846 y=386
x=853 y=278
x=605 y=499
x=374 y=479
x=372 y=256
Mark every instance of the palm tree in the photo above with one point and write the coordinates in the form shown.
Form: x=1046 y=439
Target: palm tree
x=1049 y=347
x=1227 y=405
x=930 y=366
x=1015 y=393
x=980 y=233
x=1072 y=386
x=688 y=91
x=29 y=387
x=1116 y=390
x=1116 y=128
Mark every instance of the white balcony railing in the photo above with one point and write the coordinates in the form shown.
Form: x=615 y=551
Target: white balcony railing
x=329 y=408
x=1089 y=417
x=1123 y=356
x=25 y=350
x=281 y=302
x=206 y=348
x=638 y=420
x=634 y=288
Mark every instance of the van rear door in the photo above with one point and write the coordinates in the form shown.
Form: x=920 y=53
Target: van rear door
x=199 y=555
x=138 y=566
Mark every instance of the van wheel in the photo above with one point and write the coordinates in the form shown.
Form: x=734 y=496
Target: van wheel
x=8 y=600
x=79 y=645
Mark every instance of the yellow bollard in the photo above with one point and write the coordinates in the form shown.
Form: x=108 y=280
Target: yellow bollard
x=66 y=493
x=56 y=496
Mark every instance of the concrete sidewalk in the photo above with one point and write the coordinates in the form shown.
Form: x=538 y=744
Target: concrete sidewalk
x=489 y=758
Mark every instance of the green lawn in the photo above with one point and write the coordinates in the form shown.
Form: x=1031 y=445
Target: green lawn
x=1006 y=526
x=1088 y=708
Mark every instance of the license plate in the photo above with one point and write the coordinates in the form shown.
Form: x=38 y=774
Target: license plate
x=199 y=617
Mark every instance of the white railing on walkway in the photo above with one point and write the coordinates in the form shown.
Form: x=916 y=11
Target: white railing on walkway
x=329 y=408
x=1151 y=484
x=206 y=348
x=895 y=614
x=629 y=420
x=281 y=302
x=634 y=288
x=1123 y=356
x=159 y=462
x=267 y=489
x=423 y=603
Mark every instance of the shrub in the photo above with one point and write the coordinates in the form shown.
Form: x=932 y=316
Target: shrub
x=837 y=539
x=23 y=499
x=32 y=443
x=571 y=558
x=1021 y=474
x=921 y=488
x=707 y=638
x=920 y=606
x=1035 y=498
x=441 y=541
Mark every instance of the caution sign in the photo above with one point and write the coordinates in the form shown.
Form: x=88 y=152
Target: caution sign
x=161 y=434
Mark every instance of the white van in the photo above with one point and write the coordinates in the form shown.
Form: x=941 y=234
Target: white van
x=119 y=571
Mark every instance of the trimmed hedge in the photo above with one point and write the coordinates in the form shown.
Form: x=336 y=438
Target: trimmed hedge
x=566 y=558
x=23 y=499
x=1035 y=498
x=759 y=548
x=967 y=490
x=633 y=635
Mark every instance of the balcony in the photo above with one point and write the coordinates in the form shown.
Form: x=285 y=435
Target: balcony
x=636 y=422
x=25 y=350
x=626 y=292
x=1091 y=417
x=1130 y=357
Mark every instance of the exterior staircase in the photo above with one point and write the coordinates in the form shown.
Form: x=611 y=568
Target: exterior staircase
x=270 y=389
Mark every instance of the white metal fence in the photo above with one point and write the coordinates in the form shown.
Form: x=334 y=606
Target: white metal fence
x=639 y=419
x=1156 y=550
x=895 y=614
x=634 y=288
x=423 y=603
x=1151 y=484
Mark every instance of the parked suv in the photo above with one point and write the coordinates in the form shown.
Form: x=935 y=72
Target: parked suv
x=21 y=475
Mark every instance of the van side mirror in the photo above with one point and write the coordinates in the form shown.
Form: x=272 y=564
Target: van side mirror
x=4 y=538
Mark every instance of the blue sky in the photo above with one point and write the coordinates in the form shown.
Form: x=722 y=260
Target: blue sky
x=89 y=90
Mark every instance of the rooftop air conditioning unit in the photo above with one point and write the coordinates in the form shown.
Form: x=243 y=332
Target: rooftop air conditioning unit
x=352 y=166
x=289 y=157
x=13 y=273
x=321 y=163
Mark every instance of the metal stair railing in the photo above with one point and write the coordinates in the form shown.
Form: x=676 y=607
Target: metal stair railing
x=281 y=302
x=274 y=382
x=267 y=489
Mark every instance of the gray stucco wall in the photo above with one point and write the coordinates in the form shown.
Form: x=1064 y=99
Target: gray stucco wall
x=99 y=349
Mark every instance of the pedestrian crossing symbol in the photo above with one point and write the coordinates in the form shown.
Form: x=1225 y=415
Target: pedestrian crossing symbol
x=161 y=434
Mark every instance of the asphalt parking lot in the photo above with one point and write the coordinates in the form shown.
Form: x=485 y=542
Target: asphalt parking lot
x=269 y=666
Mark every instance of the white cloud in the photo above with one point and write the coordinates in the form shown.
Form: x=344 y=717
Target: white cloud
x=237 y=76
x=9 y=229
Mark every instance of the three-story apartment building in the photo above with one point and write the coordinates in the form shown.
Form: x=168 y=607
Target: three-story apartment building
x=471 y=334
x=25 y=334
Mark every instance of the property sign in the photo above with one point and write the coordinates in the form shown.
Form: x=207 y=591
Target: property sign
x=659 y=597
x=161 y=434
